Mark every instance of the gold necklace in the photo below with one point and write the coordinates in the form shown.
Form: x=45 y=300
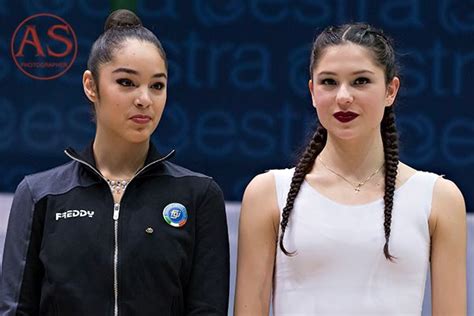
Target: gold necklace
x=355 y=186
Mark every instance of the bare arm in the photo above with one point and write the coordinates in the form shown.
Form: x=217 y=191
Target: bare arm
x=258 y=231
x=448 y=250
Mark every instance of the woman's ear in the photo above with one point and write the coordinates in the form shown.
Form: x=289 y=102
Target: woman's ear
x=90 y=86
x=392 y=90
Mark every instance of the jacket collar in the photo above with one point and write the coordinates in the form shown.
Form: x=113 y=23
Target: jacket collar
x=86 y=157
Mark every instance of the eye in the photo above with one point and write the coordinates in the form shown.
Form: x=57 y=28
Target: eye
x=158 y=86
x=328 y=82
x=125 y=82
x=361 y=81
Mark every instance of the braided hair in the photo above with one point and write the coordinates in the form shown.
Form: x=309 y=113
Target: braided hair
x=384 y=56
x=305 y=164
x=390 y=148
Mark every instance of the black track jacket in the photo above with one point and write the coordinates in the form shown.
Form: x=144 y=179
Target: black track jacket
x=70 y=250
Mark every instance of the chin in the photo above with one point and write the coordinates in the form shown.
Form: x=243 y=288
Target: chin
x=139 y=142
x=354 y=134
x=346 y=137
x=344 y=134
x=138 y=138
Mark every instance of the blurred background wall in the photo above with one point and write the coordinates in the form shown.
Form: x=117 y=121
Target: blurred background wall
x=237 y=101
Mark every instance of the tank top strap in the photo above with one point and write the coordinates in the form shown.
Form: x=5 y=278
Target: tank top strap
x=420 y=187
x=282 y=184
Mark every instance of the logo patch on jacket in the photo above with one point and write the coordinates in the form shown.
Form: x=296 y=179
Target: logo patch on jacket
x=73 y=214
x=175 y=214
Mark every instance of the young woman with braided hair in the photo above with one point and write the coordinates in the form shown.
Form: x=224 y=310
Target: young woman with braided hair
x=351 y=230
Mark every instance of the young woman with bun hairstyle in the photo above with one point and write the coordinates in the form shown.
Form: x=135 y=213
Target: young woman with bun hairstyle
x=351 y=230
x=119 y=230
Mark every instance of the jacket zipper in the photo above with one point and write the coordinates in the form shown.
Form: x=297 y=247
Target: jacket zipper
x=116 y=250
x=116 y=217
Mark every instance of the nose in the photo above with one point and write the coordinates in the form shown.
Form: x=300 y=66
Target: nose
x=344 y=96
x=143 y=98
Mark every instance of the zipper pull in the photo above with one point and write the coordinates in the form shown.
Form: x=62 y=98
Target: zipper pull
x=116 y=211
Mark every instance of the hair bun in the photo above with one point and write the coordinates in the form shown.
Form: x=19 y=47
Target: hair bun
x=122 y=18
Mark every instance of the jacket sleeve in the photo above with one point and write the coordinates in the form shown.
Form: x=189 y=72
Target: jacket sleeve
x=20 y=282
x=208 y=288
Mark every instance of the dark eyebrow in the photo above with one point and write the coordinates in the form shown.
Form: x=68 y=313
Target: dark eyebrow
x=362 y=72
x=329 y=73
x=324 y=73
x=159 y=75
x=134 y=72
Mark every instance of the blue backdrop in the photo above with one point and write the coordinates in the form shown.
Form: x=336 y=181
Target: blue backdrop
x=238 y=102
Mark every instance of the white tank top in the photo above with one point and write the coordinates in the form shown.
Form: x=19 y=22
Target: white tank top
x=340 y=268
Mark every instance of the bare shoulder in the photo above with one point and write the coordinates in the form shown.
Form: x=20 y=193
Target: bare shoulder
x=260 y=199
x=448 y=208
x=447 y=195
x=260 y=184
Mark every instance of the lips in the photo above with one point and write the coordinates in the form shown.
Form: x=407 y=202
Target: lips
x=140 y=119
x=345 y=117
